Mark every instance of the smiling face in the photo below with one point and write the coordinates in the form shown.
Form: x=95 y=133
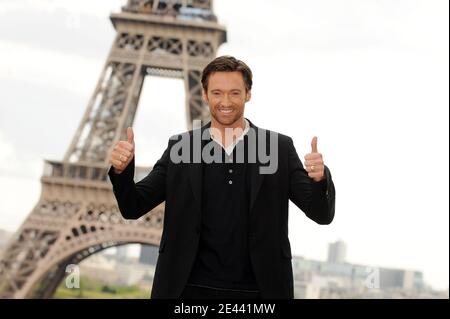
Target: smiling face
x=226 y=97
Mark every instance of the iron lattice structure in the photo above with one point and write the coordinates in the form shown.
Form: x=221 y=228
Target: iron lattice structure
x=77 y=215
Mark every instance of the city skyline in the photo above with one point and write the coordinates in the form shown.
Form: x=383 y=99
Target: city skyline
x=336 y=255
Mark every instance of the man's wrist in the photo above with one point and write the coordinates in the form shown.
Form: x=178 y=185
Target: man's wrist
x=118 y=172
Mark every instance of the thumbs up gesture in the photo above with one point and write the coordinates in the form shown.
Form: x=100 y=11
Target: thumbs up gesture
x=314 y=163
x=123 y=153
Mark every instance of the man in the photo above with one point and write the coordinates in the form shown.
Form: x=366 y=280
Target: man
x=225 y=229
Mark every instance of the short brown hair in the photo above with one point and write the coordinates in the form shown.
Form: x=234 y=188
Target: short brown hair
x=227 y=63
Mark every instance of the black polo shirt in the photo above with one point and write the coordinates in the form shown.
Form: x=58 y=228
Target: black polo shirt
x=223 y=259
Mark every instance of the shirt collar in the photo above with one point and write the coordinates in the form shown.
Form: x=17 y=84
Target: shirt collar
x=230 y=148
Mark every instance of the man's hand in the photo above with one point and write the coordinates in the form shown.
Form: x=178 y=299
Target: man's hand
x=123 y=153
x=314 y=163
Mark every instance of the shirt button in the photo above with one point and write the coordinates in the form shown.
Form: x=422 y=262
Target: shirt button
x=230 y=171
x=230 y=182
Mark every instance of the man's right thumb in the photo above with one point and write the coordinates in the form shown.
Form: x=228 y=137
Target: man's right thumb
x=130 y=135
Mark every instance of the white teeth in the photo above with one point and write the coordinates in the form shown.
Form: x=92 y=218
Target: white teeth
x=226 y=111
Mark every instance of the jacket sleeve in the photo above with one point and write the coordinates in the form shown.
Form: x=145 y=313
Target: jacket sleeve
x=315 y=199
x=137 y=199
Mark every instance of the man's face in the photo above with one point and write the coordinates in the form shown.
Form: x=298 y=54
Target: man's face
x=226 y=97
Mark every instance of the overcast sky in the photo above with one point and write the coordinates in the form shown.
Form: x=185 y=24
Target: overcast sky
x=369 y=78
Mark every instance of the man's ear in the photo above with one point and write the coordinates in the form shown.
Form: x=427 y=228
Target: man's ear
x=204 y=96
x=248 y=95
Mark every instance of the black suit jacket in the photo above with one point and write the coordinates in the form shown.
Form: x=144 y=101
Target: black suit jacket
x=180 y=186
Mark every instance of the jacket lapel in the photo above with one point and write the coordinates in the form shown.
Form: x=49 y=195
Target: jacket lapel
x=256 y=178
x=195 y=169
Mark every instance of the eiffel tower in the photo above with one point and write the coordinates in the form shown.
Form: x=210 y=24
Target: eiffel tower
x=77 y=215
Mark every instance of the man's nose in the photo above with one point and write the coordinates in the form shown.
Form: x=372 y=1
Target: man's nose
x=226 y=101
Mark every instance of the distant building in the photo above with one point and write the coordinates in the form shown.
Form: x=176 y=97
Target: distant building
x=133 y=274
x=345 y=280
x=148 y=255
x=337 y=252
x=336 y=278
x=306 y=290
x=110 y=270
x=122 y=253
x=99 y=267
x=400 y=278
x=354 y=274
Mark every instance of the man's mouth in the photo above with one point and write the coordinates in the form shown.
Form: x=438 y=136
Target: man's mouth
x=225 y=110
